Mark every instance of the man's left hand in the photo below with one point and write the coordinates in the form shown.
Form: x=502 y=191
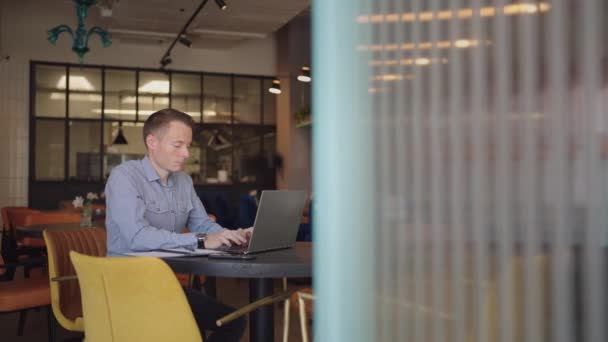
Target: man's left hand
x=245 y=232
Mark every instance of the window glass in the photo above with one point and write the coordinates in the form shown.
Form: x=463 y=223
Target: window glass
x=85 y=93
x=153 y=93
x=247 y=100
x=216 y=99
x=120 y=95
x=50 y=91
x=186 y=94
x=118 y=153
x=85 y=159
x=50 y=149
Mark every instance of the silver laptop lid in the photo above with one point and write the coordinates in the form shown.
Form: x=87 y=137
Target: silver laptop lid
x=277 y=220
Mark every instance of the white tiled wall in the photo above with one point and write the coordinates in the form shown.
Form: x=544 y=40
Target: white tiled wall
x=13 y=132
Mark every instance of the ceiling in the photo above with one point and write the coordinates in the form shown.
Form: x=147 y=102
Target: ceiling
x=159 y=21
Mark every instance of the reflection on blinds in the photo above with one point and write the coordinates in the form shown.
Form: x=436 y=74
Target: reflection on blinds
x=461 y=170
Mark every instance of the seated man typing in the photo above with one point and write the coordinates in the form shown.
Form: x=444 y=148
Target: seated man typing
x=150 y=201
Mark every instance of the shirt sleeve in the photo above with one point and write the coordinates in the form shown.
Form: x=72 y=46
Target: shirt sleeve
x=198 y=220
x=126 y=206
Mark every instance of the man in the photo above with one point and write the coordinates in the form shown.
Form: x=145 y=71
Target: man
x=150 y=201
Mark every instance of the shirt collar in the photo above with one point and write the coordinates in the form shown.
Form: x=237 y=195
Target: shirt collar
x=151 y=174
x=149 y=171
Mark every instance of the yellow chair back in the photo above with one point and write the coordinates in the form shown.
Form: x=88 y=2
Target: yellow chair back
x=132 y=299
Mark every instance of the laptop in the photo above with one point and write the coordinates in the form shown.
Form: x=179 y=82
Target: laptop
x=276 y=222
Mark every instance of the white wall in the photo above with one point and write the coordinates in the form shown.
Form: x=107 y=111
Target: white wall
x=23 y=26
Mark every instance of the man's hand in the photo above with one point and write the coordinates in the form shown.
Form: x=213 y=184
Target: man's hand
x=245 y=232
x=227 y=237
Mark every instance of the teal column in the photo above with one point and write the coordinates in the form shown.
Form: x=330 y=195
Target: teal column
x=343 y=176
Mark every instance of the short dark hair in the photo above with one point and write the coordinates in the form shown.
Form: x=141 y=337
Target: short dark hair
x=159 y=121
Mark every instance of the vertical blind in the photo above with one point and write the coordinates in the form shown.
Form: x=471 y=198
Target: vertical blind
x=460 y=170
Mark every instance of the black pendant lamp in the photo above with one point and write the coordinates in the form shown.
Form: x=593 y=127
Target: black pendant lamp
x=216 y=140
x=120 y=137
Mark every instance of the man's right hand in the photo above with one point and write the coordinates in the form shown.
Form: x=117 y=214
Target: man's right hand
x=226 y=237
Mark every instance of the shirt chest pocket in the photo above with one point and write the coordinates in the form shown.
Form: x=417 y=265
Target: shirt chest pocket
x=157 y=207
x=157 y=213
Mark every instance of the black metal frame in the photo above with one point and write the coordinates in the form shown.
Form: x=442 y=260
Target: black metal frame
x=182 y=32
x=260 y=127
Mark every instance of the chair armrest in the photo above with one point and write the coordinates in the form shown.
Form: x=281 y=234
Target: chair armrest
x=64 y=278
x=306 y=296
x=252 y=306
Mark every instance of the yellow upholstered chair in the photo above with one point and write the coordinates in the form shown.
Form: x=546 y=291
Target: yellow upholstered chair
x=132 y=299
x=65 y=292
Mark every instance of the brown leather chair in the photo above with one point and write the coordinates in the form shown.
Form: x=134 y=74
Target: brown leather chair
x=13 y=217
x=65 y=292
x=47 y=218
x=29 y=218
x=17 y=249
x=20 y=295
x=6 y=216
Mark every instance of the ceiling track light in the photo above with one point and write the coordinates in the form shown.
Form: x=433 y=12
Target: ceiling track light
x=304 y=75
x=182 y=34
x=275 y=88
x=166 y=61
x=221 y=4
x=185 y=41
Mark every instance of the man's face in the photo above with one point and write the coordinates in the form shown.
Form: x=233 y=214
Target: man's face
x=169 y=150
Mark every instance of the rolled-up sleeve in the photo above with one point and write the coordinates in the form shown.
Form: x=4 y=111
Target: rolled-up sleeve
x=126 y=218
x=198 y=220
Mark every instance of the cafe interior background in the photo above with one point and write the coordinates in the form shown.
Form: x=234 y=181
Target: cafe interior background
x=57 y=144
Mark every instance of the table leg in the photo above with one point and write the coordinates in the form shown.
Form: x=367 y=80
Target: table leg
x=261 y=324
x=210 y=288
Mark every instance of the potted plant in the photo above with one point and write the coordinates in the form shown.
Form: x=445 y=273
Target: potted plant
x=86 y=203
x=302 y=115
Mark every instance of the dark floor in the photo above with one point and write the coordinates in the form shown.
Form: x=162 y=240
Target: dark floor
x=233 y=292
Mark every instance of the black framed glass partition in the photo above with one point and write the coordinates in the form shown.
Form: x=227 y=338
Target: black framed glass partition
x=76 y=113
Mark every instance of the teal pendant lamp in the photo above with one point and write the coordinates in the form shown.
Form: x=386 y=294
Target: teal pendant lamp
x=81 y=35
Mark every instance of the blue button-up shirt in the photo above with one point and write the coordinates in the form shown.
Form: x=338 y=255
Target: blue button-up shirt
x=143 y=214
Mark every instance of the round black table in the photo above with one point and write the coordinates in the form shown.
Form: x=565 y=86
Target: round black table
x=293 y=262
